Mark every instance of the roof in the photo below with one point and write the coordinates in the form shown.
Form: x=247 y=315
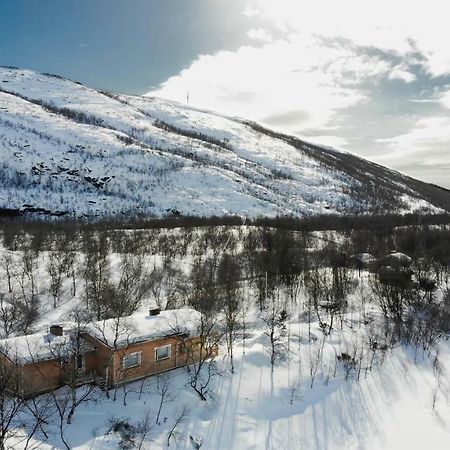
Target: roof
x=396 y=259
x=34 y=347
x=121 y=332
x=141 y=327
x=366 y=258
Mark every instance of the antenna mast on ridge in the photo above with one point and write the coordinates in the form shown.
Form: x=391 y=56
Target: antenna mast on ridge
x=187 y=98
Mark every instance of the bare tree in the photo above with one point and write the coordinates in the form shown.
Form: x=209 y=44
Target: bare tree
x=315 y=360
x=230 y=295
x=164 y=390
x=27 y=277
x=61 y=404
x=143 y=430
x=73 y=372
x=157 y=281
x=71 y=270
x=200 y=353
x=16 y=316
x=9 y=267
x=274 y=318
x=116 y=335
x=313 y=286
x=41 y=411
x=57 y=267
x=392 y=298
x=12 y=406
x=96 y=273
x=180 y=416
x=124 y=297
x=132 y=435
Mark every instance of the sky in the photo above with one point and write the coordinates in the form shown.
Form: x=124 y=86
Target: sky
x=372 y=78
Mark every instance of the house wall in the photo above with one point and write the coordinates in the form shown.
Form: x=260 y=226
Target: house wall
x=45 y=376
x=40 y=377
x=100 y=362
x=91 y=362
x=10 y=375
x=149 y=365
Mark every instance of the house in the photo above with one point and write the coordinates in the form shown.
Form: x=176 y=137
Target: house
x=395 y=268
x=108 y=352
x=396 y=260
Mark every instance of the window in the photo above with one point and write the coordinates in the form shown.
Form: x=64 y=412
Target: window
x=163 y=352
x=80 y=362
x=131 y=360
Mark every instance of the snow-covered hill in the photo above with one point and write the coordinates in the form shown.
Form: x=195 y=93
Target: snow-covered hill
x=68 y=149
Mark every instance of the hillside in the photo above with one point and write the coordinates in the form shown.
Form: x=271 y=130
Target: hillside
x=69 y=150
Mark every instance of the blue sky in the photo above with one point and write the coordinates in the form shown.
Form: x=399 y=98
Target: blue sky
x=369 y=77
x=125 y=46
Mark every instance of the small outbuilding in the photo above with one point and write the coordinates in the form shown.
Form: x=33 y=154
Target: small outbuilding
x=395 y=268
x=396 y=260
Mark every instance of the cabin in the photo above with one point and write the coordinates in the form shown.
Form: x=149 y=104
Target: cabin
x=108 y=353
x=396 y=260
x=395 y=268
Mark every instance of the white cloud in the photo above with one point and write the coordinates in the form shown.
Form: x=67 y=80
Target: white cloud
x=404 y=75
x=427 y=142
x=402 y=25
x=251 y=11
x=329 y=56
x=445 y=99
x=310 y=69
x=296 y=73
x=260 y=34
x=422 y=152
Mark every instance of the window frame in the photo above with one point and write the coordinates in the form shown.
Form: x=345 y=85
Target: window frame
x=169 y=346
x=80 y=358
x=129 y=355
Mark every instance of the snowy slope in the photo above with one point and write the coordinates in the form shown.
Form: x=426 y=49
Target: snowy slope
x=400 y=403
x=71 y=149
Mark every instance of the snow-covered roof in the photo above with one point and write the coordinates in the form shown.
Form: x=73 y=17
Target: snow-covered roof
x=142 y=327
x=365 y=257
x=397 y=258
x=115 y=333
x=34 y=347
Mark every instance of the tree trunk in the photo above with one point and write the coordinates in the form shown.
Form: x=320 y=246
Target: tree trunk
x=73 y=406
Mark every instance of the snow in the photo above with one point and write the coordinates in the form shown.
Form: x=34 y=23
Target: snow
x=397 y=258
x=365 y=258
x=388 y=408
x=132 y=329
x=45 y=159
x=49 y=160
x=143 y=327
x=33 y=347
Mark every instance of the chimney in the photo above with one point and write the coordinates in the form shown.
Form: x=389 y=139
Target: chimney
x=154 y=311
x=56 y=330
